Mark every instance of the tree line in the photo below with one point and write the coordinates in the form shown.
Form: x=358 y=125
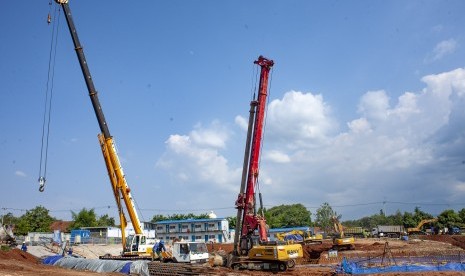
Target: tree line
x=447 y=218
x=40 y=220
x=282 y=216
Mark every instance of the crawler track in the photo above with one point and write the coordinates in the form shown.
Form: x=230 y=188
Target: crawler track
x=125 y=258
x=157 y=268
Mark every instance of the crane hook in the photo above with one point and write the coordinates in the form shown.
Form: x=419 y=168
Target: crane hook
x=41 y=184
x=49 y=19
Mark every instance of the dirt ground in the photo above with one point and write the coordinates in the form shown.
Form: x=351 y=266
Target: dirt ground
x=18 y=263
x=316 y=259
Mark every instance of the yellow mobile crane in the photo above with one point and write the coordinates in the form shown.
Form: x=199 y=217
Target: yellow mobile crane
x=138 y=244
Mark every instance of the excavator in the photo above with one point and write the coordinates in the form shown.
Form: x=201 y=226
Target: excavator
x=300 y=236
x=137 y=244
x=252 y=248
x=340 y=241
x=418 y=229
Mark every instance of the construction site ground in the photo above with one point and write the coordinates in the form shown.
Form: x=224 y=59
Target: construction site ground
x=316 y=261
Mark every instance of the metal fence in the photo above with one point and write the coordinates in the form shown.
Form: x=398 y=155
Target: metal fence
x=99 y=240
x=48 y=238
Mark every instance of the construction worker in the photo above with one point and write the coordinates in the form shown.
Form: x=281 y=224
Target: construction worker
x=154 y=251
x=160 y=248
x=24 y=247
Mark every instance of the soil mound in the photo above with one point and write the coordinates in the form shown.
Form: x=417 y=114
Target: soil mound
x=18 y=255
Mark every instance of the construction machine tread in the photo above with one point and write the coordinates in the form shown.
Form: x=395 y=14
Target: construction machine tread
x=124 y=258
x=162 y=269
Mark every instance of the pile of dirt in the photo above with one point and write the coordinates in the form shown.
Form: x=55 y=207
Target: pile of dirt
x=18 y=255
x=456 y=240
x=16 y=262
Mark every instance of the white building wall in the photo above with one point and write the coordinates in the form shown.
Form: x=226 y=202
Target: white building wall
x=114 y=232
x=150 y=233
x=214 y=230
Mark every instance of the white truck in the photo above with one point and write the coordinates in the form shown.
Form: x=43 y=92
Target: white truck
x=388 y=231
x=186 y=252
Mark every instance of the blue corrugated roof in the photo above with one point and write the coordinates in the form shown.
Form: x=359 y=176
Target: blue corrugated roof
x=277 y=230
x=188 y=221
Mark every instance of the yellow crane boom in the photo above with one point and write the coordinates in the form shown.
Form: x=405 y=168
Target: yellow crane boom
x=137 y=244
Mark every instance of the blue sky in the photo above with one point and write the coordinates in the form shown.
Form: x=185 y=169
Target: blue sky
x=365 y=109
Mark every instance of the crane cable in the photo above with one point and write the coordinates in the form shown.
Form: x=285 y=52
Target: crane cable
x=254 y=81
x=48 y=99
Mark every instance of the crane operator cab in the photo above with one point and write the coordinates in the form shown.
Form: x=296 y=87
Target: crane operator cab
x=137 y=244
x=132 y=243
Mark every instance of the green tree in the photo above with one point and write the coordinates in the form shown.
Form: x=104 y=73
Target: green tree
x=288 y=216
x=232 y=222
x=462 y=215
x=35 y=220
x=419 y=215
x=106 y=220
x=85 y=218
x=187 y=216
x=409 y=220
x=324 y=216
x=448 y=218
x=396 y=219
x=365 y=222
x=178 y=217
x=158 y=218
x=202 y=216
x=9 y=219
x=379 y=219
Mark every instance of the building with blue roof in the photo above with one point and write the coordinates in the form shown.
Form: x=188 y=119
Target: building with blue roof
x=207 y=230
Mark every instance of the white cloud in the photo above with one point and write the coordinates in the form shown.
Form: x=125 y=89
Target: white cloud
x=277 y=156
x=406 y=106
x=20 y=174
x=241 y=122
x=299 y=118
x=359 y=125
x=444 y=84
x=442 y=49
x=195 y=157
x=374 y=105
x=459 y=187
x=215 y=136
x=405 y=149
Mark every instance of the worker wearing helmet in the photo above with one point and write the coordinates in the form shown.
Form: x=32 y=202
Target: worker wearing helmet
x=24 y=247
x=160 y=248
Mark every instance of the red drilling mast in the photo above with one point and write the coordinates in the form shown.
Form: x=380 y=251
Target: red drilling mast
x=247 y=218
